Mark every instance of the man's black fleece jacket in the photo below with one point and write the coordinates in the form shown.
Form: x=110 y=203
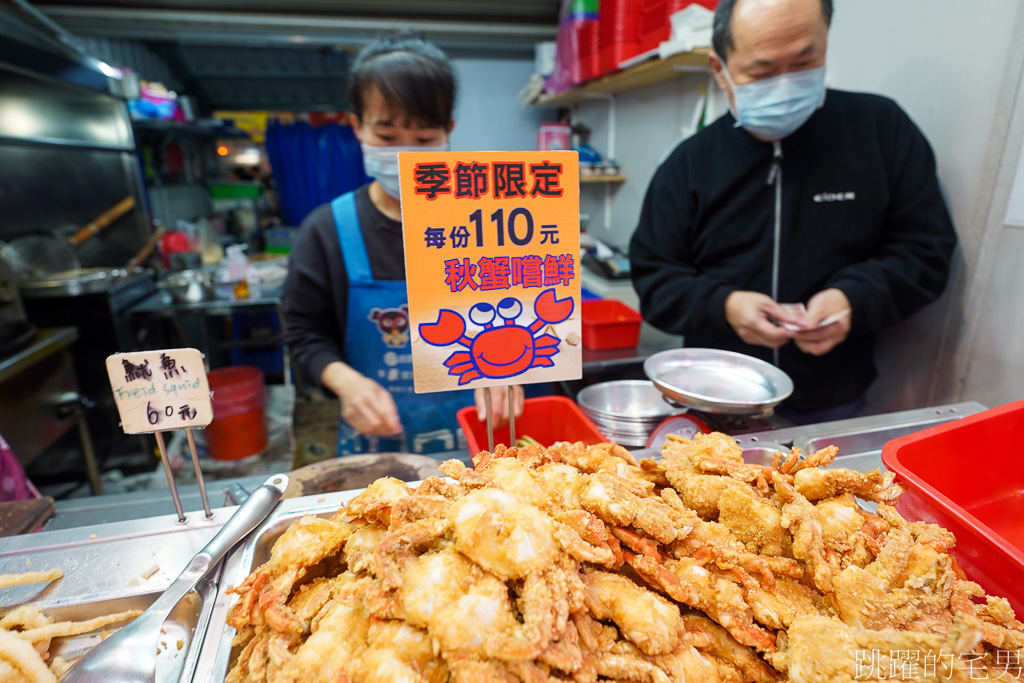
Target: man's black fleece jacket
x=861 y=211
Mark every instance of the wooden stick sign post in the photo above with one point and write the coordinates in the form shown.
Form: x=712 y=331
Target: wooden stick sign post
x=492 y=246
x=161 y=391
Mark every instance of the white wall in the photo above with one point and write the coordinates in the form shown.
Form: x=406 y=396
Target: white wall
x=649 y=122
x=488 y=115
x=952 y=65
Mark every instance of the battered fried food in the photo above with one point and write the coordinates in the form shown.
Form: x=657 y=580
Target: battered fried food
x=25 y=635
x=21 y=661
x=577 y=563
x=648 y=620
x=754 y=521
x=826 y=650
x=30 y=577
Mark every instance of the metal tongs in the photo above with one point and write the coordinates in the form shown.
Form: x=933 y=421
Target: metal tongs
x=130 y=655
x=490 y=423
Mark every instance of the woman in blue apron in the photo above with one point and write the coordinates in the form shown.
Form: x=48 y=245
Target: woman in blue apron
x=345 y=300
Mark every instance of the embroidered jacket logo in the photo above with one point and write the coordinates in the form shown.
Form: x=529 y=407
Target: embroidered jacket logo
x=835 y=197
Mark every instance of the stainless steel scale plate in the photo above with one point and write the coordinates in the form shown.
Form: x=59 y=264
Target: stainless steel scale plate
x=718 y=381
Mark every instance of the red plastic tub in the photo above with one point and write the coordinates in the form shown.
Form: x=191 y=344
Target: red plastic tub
x=238 y=429
x=968 y=476
x=546 y=419
x=609 y=324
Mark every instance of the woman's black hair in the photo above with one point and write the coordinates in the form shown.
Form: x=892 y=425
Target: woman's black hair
x=413 y=75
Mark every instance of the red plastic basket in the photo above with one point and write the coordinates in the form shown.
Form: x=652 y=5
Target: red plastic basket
x=546 y=419
x=609 y=324
x=968 y=476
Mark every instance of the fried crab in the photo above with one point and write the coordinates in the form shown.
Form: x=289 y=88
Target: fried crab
x=579 y=563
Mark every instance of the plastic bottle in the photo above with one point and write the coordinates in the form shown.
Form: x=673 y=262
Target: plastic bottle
x=236 y=262
x=236 y=265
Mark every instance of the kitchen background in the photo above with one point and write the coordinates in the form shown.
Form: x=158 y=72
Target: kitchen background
x=961 y=78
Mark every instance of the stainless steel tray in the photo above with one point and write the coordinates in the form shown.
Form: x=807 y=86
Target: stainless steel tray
x=215 y=655
x=718 y=381
x=110 y=568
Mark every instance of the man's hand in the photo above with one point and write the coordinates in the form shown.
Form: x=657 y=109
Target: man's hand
x=366 y=405
x=499 y=404
x=828 y=304
x=751 y=315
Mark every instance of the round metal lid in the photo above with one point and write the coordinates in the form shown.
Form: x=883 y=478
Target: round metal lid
x=718 y=381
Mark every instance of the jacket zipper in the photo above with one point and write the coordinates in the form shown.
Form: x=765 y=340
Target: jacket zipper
x=775 y=178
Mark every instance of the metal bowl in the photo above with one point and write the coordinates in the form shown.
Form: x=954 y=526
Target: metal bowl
x=630 y=400
x=718 y=381
x=189 y=286
x=762 y=453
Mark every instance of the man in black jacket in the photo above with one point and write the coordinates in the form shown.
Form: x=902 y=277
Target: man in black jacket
x=797 y=196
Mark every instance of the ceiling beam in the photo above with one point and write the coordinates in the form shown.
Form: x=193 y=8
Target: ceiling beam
x=250 y=29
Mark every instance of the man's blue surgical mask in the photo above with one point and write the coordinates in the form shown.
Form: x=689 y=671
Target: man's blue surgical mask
x=773 y=108
x=381 y=163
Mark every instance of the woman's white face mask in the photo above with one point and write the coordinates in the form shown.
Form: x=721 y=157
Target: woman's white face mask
x=381 y=163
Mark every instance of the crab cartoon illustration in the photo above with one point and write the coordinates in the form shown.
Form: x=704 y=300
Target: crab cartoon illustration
x=502 y=350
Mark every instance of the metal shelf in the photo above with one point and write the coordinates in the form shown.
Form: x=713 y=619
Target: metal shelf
x=647 y=73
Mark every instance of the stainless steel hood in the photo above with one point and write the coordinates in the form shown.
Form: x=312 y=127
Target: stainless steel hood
x=495 y=27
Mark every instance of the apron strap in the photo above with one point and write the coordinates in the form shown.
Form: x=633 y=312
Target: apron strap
x=350 y=234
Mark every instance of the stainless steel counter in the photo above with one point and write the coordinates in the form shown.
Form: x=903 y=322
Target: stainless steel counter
x=860 y=439
x=47 y=342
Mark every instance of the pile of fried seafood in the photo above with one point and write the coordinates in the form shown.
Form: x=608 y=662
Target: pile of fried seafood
x=578 y=563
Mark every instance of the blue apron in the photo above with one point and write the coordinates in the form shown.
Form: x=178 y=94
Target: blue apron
x=377 y=345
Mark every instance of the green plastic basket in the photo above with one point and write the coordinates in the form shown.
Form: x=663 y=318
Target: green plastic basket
x=235 y=191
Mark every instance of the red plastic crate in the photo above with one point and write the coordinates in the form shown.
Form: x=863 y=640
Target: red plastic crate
x=587 y=48
x=609 y=324
x=546 y=419
x=655 y=20
x=618 y=33
x=654 y=29
x=612 y=55
x=968 y=476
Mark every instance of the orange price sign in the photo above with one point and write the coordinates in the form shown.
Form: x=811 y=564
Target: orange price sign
x=492 y=248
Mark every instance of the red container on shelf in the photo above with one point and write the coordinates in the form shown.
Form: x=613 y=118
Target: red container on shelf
x=968 y=476
x=609 y=324
x=655 y=19
x=546 y=419
x=587 y=46
x=618 y=32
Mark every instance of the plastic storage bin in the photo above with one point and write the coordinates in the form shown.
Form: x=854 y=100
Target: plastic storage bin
x=609 y=324
x=587 y=46
x=238 y=429
x=238 y=190
x=546 y=419
x=968 y=476
x=618 y=32
x=656 y=19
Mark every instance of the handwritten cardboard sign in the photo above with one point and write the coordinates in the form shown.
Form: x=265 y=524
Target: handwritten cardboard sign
x=492 y=267
x=157 y=391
